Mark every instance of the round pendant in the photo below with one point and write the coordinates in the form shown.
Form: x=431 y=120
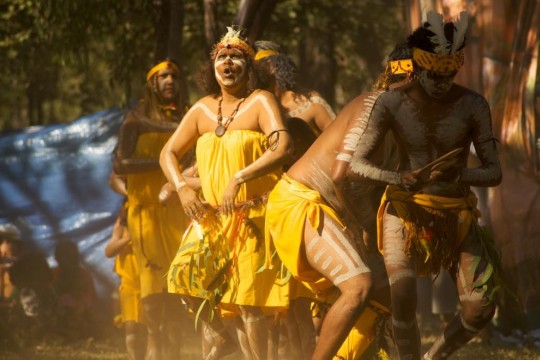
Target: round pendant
x=220 y=130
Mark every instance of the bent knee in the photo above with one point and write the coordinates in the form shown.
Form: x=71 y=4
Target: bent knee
x=358 y=288
x=478 y=314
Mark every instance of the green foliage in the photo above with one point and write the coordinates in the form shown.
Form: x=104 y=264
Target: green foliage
x=364 y=32
x=61 y=59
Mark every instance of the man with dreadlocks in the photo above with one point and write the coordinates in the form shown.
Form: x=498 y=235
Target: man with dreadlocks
x=428 y=216
x=155 y=228
x=240 y=142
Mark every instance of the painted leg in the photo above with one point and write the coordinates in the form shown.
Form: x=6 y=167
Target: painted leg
x=214 y=332
x=332 y=252
x=477 y=309
x=256 y=327
x=242 y=338
x=402 y=280
x=153 y=308
x=135 y=340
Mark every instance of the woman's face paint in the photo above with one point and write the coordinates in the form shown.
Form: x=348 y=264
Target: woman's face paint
x=229 y=66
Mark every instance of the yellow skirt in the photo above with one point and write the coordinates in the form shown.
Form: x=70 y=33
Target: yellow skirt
x=221 y=259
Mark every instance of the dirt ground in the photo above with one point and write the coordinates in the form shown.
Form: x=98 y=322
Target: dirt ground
x=110 y=346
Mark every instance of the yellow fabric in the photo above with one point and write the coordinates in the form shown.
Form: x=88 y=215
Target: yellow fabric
x=403 y=66
x=362 y=334
x=229 y=237
x=399 y=199
x=439 y=63
x=261 y=54
x=162 y=65
x=155 y=229
x=129 y=291
x=290 y=205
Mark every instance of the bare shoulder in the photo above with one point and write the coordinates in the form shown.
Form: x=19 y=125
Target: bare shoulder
x=203 y=105
x=472 y=99
x=358 y=104
x=205 y=101
x=262 y=94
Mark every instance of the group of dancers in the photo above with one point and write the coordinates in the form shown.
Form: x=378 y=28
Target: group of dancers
x=258 y=204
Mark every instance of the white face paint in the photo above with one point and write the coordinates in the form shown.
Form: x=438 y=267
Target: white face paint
x=229 y=66
x=168 y=84
x=435 y=84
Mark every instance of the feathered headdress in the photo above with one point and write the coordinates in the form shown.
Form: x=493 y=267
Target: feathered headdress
x=233 y=39
x=436 y=26
x=460 y=29
x=446 y=56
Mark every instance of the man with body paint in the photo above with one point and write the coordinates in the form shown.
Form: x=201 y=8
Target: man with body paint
x=310 y=222
x=155 y=227
x=306 y=115
x=428 y=215
x=241 y=143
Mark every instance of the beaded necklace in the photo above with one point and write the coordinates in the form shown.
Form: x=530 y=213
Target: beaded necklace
x=222 y=127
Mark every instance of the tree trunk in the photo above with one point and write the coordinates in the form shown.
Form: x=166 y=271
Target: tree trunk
x=169 y=24
x=317 y=64
x=253 y=15
x=162 y=11
x=515 y=204
x=211 y=32
x=175 y=44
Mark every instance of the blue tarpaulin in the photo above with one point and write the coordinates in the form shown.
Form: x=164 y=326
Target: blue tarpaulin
x=54 y=186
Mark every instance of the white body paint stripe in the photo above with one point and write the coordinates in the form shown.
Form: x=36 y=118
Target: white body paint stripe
x=344 y=157
x=266 y=105
x=344 y=241
x=400 y=275
x=351 y=274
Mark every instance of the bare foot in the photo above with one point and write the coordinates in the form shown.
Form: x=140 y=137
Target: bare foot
x=219 y=351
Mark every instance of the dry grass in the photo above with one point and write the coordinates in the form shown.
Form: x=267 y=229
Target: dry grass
x=111 y=347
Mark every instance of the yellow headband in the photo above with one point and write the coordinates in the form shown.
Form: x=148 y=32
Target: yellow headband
x=232 y=39
x=261 y=54
x=438 y=63
x=161 y=66
x=403 y=66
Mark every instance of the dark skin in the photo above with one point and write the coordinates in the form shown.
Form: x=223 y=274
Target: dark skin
x=429 y=118
x=165 y=88
x=256 y=111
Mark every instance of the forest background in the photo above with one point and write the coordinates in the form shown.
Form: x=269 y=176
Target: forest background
x=63 y=59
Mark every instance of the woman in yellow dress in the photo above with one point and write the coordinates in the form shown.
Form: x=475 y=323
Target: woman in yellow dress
x=241 y=144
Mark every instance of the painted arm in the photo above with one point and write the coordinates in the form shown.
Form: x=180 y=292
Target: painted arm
x=178 y=145
x=270 y=123
x=489 y=172
x=324 y=114
x=192 y=179
x=374 y=125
